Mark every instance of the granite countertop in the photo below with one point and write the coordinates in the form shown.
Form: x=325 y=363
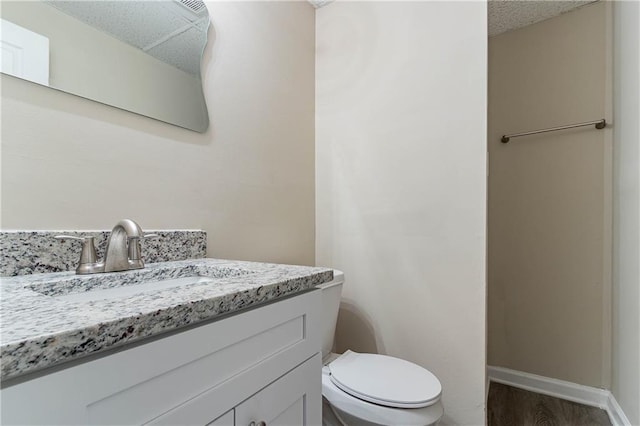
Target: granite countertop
x=40 y=329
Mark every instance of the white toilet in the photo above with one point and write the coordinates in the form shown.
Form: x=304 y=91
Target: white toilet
x=369 y=389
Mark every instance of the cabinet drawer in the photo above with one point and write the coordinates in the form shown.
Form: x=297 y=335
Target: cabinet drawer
x=292 y=400
x=141 y=384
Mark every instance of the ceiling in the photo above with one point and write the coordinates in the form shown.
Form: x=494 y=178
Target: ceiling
x=173 y=31
x=506 y=15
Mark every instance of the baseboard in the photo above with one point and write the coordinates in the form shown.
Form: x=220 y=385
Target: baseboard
x=617 y=416
x=586 y=395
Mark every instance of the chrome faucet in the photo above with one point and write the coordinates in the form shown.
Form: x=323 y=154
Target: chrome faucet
x=122 y=253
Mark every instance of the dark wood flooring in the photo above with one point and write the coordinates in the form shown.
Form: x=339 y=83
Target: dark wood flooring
x=509 y=406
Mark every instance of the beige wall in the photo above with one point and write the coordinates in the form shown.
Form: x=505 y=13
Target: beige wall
x=549 y=229
x=626 y=290
x=400 y=172
x=69 y=163
x=89 y=63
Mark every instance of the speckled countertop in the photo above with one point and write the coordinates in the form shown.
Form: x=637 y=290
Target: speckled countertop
x=40 y=326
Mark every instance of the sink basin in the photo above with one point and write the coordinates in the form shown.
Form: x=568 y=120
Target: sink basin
x=130 y=290
x=85 y=288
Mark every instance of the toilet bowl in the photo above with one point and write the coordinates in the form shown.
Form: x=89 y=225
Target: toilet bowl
x=370 y=389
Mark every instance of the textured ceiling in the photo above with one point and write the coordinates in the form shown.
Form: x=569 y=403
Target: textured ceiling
x=319 y=3
x=506 y=15
x=172 y=33
x=165 y=29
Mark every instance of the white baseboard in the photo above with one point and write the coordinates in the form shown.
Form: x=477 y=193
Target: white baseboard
x=617 y=416
x=586 y=395
x=547 y=386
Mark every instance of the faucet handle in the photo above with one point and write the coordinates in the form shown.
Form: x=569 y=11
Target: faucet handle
x=88 y=263
x=134 y=246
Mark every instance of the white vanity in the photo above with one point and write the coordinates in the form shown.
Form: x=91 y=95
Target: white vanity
x=258 y=366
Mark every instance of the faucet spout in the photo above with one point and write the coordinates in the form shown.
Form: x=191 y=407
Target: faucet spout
x=123 y=247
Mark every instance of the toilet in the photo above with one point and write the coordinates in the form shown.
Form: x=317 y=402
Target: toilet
x=360 y=389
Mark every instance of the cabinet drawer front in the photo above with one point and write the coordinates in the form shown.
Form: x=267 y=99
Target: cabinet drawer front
x=175 y=386
x=140 y=384
x=291 y=400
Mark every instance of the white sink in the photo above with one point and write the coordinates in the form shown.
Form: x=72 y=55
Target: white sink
x=118 y=285
x=130 y=290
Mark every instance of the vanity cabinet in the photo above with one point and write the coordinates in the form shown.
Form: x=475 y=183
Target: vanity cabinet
x=262 y=365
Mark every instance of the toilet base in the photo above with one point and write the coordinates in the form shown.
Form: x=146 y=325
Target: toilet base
x=331 y=416
x=334 y=417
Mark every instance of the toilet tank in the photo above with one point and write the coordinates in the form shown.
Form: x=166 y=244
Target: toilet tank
x=331 y=292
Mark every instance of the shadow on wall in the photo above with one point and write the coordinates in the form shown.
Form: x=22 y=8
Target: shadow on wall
x=355 y=330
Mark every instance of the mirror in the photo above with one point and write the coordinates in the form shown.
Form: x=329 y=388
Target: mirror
x=140 y=56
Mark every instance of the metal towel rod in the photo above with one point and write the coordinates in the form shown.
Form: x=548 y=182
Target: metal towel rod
x=600 y=124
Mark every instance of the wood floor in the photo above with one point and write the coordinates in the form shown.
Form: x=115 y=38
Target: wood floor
x=509 y=406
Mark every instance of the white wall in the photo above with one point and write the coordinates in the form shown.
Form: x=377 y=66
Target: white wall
x=401 y=184
x=626 y=282
x=69 y=163
x=549 y=198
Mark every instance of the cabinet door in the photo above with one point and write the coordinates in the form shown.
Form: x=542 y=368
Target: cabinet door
x=293 y=400
x=226 y=419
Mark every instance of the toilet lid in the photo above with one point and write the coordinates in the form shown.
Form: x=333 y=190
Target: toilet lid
x=385 y=380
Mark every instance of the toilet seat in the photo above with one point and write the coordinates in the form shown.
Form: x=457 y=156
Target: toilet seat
x=385 y=380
